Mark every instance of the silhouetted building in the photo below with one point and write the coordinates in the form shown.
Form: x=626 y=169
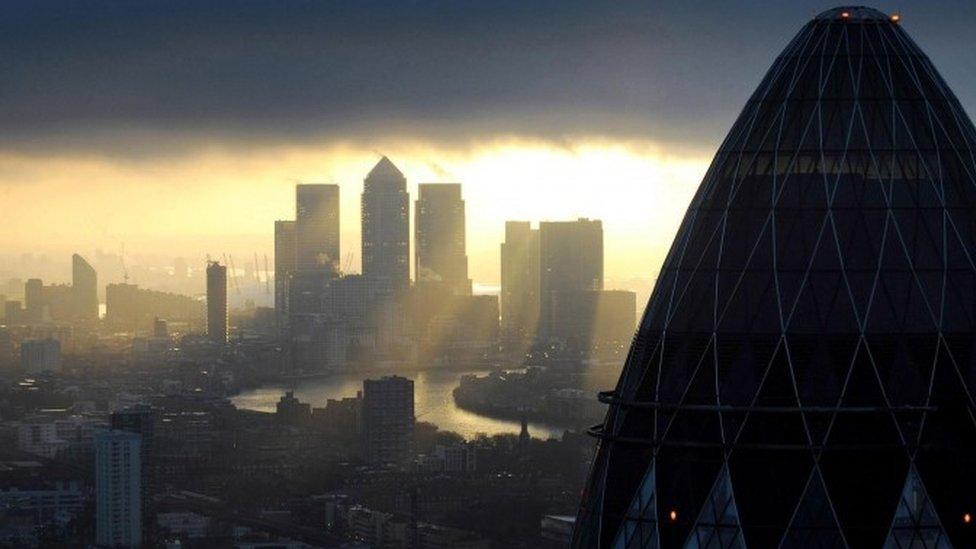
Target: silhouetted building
x=594 y=317
x=118 y=489
x=317 y=228
x=519 y=284
x=34 y=300
x=40 y=355
x=84 y=287
x=342 y=416
x=388 y=420
x=285 y=248
x=291 y=411
x=570 y=260
x=440 y=237
x=58 y=304
x=129 y=307
x=217 y=302
x=803 y=373
x=386 y=226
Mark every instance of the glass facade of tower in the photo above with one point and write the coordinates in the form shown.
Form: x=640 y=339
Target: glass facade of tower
x=804 y=372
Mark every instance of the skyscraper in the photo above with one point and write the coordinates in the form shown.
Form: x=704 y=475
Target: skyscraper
x=285 y=247
x=141 y=420
x=317 y=228
x=570 y=260
x=440 y=237
x=118 y=489
x=217 y=302
x=520 y=284
x=803 y=375
x=388 y=420
x=34 y=300
x=386 y=226
x=84 y=289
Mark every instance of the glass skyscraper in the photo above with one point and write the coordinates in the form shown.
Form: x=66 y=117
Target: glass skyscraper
x=386 y=226
x=804 y=373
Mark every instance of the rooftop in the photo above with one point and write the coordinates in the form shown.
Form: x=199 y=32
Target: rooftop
x=855 y=13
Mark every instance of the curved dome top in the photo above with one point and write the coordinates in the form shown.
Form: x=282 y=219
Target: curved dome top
x=854 y=13
x=806 y=365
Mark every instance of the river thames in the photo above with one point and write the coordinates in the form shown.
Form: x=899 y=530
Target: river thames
x=433 y=400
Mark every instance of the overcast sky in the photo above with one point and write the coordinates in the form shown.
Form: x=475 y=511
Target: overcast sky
x=74 y=72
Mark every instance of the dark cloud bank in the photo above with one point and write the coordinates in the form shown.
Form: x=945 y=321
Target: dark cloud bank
x=78 y=75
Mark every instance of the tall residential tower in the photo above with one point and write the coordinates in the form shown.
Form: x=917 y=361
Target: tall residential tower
x=118 y=489
x=217 y=302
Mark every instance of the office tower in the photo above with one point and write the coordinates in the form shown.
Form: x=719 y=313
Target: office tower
x=570 y=260
x=520 y=284
x=118 y=489
x=141 y=420
x=386 y=226
x=595 y=317
x=217 y=302
x=317 y=228
x=42 y=355
x=58 y=303
x=84 y=288
x=439 y=237
x=34 y=300
x=285 y=248
x=803 y=373
x=388 y=420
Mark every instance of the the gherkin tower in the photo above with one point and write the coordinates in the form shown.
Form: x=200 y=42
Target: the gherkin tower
x=805 y=370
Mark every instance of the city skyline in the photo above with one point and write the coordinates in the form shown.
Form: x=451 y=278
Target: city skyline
x=582 y=167
x=483 y=275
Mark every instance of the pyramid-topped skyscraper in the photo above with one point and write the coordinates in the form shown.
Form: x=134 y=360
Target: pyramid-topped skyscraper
x=805 y=370
x=386 y=226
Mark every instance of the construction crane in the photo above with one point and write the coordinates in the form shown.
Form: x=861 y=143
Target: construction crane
x=267 y=276
x=125 y=271
x=233 y=275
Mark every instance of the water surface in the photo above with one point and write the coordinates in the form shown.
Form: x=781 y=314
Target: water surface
x=432 y=399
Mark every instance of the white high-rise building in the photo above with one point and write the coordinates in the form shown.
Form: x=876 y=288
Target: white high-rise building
x=118 y=489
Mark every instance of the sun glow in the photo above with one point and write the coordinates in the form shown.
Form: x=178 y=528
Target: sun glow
x=221 y=199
